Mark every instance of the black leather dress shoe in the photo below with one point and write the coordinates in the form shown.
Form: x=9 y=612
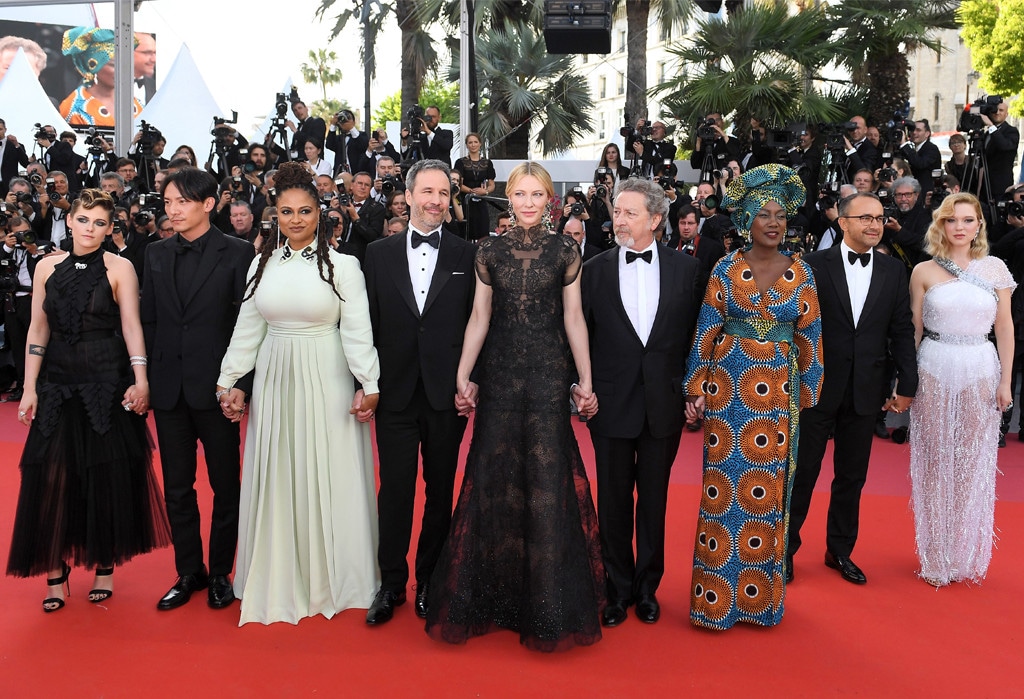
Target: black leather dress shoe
x=383 y=607
x=182 y=590
x=220 y=593
x=614 y=614
x=647 y=609
x=881 y=431
x=421 y=600
x=847 y=568
x=789 y=569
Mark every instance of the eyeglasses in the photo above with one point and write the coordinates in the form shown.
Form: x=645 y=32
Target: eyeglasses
x=905 y=195
x=867 y=220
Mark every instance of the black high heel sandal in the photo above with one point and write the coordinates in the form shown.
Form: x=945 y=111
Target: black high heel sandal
x=62 y=580
x=98 y=594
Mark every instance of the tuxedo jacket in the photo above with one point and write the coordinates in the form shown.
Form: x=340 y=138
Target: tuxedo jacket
x=414 y=346
x=634 y=382
x=440 y=147
x=368 y=163
x=13 y=158
x=186 y=339
x=356 y=149
x=922 y=161
x=312 y=129
x=857 y=356
x=1001 y=152
x=367 y=229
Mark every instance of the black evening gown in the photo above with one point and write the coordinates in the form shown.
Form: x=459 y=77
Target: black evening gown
x=523 y=550
x=478 y=215
x=88 y=491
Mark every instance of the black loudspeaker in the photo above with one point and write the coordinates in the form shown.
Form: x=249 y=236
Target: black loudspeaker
x=578 y=27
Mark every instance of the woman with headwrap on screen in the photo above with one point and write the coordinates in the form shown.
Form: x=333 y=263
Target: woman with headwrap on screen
x=92 y=103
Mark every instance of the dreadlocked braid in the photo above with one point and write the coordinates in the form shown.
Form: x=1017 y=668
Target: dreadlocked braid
x=295 y=176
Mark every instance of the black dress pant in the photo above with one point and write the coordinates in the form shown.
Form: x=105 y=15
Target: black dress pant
x=643 y=463
x=401 y=435
x=17 y=319
x=853 y=435
x=178 y=431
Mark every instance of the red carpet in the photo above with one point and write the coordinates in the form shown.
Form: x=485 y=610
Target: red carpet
x=893 y=637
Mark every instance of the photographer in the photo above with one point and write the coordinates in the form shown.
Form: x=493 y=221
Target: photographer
x=58 y=154
x=574 y=228
x=599 y=205
x=12 y=156
x=714 y=141
x=388 y=180
x=364 y=217
x=147 y=152
x=377 y=149
x=56 y=202
x=348 y=144
x=21 y=201
x=824 y=226
x=805 y=158
x=1000 y=148
x=430 y=141
x=655 y=150
x=17 y=265
x=308 y=129
x=243 y=223
x=904 y=231
x=706 y=249
x=113 y=184
x=861 y=152
x=960 y=165
x=922 y=155
x=574 y=204
x=455 y=219
x=227 y=151
x=712 y=223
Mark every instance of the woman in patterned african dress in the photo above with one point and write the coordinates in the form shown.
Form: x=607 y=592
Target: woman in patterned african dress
x=755 y=362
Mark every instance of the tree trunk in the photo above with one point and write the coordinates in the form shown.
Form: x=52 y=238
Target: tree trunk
x=515 y=147
x=412 y=82
x=889 y=85
x=637 y=12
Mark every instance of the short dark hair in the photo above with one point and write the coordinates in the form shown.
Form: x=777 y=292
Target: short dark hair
x=178 y=163
x=192 y=184
x=844 y=204
x=685 y=211
x=121 y=162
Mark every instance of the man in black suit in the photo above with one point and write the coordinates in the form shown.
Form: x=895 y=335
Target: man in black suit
x=921 y=154
x=1000 y=150
x=707 y=250
x=192 y=287
x=721 y=149
x=654 y=151
x=308 y=129
x=12 y=156
x=860 y=151
x=433 y=142
x=640 y=301
x=713 y=223
x=365 y=217
x=348 y=144
x=865 y=314
x=420 y=285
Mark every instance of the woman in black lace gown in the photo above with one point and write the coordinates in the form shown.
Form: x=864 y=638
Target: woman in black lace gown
x=477 y=174
x=523 y=551
x=88 y=492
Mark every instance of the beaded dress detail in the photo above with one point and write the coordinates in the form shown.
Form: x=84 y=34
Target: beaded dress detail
x=523 y=552
x=954 y=425
x=88 y=491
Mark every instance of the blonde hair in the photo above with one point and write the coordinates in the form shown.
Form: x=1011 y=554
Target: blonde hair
x=530 y=169
x=936 y=244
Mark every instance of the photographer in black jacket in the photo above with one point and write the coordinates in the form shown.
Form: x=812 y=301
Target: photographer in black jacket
x=18 y=259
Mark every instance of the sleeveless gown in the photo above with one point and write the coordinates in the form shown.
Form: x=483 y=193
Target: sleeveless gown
x=954 y=427
x=88 y=491
x=523 y=552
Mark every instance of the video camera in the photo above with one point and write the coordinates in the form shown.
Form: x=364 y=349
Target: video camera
x=42 y=133
x=413 y=116
x=223 y=134
x=149 y=136
x=835 y=133
x=970 y=118
x=706 y=130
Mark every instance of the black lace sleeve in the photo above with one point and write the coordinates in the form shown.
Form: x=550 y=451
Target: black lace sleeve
x=570 y=258
x=485 y=259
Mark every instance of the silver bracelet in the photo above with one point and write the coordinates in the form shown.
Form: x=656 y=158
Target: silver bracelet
x=138 y=360
x=222 y=392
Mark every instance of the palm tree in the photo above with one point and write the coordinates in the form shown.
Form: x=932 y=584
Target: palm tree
x=755 y=64
x=523 y=84
x=320 y=70
x=669 y=13
x=874 y=41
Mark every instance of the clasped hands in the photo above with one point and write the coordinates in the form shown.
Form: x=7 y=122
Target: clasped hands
x=585 y=399
x=897 y=404
x=232 y=403
x=364 y=405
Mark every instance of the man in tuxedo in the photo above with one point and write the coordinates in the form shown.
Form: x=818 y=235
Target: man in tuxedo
x=308 y=129
x=654 y=151
x=640 y=302
x=433 y=141
x=12 y=156
x=712 y=223
x=192 y=287
x=860 y=151
x=348 y=144
x=865 y=314
x=921 y=154
x=420 y=285
x=365 y=216
x=1000 y=150
x=707 y=250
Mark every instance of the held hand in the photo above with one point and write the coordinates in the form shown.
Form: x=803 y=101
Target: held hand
x=364 y=405
x=27 y=407
x=465 y=397
x=694 y=408
x=136 y=398
x=898 y=404
x=586 y=400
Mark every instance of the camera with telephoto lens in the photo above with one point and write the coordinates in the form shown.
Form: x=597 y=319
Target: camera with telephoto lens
x=970 y=118
x=710 y=202
x=42 y=133
x=889 y=209
x=51 y=189
x=601 y=192
x=939 y=190
x=706 y=130
x=24 y=197
x=35 y=179
x=388 y=184
x=25 y=238
x=413 y=116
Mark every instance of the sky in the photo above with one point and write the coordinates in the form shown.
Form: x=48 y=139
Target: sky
x=247 y=50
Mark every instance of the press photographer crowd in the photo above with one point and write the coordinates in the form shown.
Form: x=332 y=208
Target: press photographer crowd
x=289 y=277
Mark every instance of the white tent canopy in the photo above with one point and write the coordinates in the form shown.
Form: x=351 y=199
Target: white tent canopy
x=25 y=103
x=183 y=108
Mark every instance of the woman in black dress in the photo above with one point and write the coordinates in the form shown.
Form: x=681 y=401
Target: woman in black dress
x=88 y=492
x=612 y=161
x=477 y=178
x=523 y=552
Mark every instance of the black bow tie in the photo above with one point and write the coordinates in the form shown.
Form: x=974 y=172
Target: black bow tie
x=185 y=246
x=433 y=240
x=140 y=82
x=632 y=257
x=864 y=257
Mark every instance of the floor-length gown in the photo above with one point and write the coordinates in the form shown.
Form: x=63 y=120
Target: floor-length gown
x=307 y=527
x=88 y=491
x=756 y=359
x=523 y=551
x=474 y=174
x=954 y=426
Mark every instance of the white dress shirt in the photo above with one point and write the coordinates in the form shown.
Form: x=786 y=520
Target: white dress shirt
x=640 y=290
x=422 y=262
x=858 y=279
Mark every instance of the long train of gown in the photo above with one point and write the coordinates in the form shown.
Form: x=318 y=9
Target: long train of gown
x=954 y=428
x=307 y=526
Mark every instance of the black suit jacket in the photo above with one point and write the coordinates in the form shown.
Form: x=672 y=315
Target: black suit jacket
x=186 y=340
x=367 y=229
x=14 y=157
x=922 y=161
x=439 y=148
x=708 y=252
x=1001 y=152
x=414 y=346
x=312 y=129
x=633 y=382
x=356 y=150
x=857 y=356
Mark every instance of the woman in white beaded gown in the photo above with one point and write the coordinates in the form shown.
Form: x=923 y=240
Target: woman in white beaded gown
x=957 y=298
x=307 y=528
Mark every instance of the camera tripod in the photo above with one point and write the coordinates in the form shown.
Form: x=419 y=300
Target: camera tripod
x=976 y=180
